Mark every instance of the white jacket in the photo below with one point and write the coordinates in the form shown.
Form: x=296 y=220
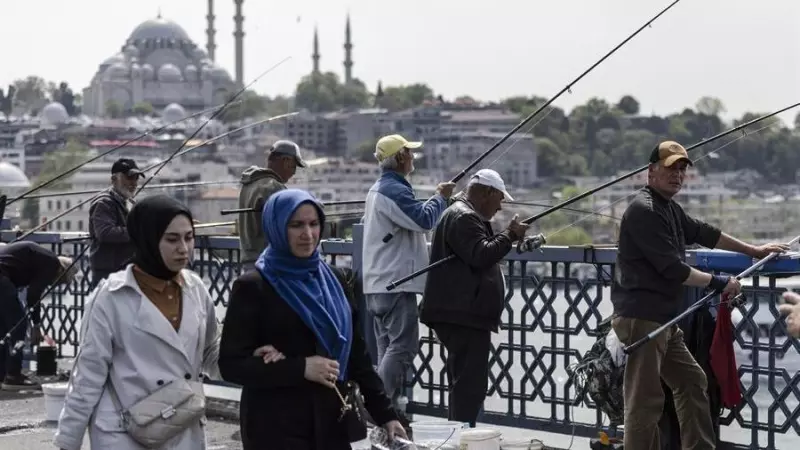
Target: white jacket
x=126 y=339
x=392 y=208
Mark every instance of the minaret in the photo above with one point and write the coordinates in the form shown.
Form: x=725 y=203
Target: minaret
x=348 y=53
x=238 y=36
x=315 y=55
x=211 y=47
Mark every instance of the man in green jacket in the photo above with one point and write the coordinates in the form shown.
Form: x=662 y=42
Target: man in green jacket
x=258 y=184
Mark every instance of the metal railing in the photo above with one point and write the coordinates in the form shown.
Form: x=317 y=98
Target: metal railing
x=555 y=299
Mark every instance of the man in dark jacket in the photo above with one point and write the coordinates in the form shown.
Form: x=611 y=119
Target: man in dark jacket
x=464 y=298
x=258 y=184
x=111 y=248
x=648 y=291
x=24 y=265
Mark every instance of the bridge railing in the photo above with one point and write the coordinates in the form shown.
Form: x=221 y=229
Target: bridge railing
x=555 y=299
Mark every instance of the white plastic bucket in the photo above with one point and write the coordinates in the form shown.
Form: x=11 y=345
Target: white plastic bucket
x=435 y=433
x=522 y=444
x=54 y=394
x=480 y=439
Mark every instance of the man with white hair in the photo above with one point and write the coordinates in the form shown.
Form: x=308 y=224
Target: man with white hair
x=395 y=223
x=465 y=297
x=25 y=265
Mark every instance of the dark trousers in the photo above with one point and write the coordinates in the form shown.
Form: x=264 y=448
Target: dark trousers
x=467 y=369
x=11 y=312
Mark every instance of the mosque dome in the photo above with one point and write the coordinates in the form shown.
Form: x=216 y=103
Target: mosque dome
x=158 y=28
x=219 y=73
x=191 y=72
x=169 y=73
x=117 y=71
x=118 y=58
x=54 y=114
x=173 y=113
x=12 y=176
x=148 y=73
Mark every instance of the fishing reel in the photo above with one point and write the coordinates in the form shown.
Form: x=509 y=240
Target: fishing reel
x=531 y=243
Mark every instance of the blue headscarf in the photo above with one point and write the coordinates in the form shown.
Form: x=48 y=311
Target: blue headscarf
x=308 y=285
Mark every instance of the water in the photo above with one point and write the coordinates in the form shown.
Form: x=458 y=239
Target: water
x=549 y=336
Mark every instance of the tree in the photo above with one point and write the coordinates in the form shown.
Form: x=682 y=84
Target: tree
x=143 y=109
x=72 y=154
x=113 y=109
x=30 y=91
x=65 y=96
x=366 y=151
x=628 y=105
x=710 y=106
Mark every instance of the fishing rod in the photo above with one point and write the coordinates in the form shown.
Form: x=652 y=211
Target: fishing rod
x=63 y=174
x=534 y=242
x=177 y=151
x=151 y=167
x=702 y=302
x=213 y=116
x=226 y=212
x=356 y=202
x=156 y=186
x=566 y=88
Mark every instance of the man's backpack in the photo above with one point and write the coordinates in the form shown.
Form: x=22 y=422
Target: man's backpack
x=598 y=376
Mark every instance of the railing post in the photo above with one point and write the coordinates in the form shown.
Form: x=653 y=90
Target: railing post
x=364 y=315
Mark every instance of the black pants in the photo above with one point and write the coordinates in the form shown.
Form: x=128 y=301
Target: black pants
x=467 y=369
x=11 y=312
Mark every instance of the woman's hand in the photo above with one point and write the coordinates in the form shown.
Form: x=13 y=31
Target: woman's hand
x=269 y=354
x=395 y=429
x=322 y=370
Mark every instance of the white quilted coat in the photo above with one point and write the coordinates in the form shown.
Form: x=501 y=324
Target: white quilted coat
x=124 y=337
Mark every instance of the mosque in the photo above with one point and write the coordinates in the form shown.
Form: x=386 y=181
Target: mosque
x=159 y=64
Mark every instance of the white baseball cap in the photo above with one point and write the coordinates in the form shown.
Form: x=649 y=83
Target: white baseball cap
x=488 y=177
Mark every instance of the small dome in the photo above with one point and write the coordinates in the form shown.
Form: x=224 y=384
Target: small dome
x=220 y=74
x=136 y=71
x=117 y=71
x=131 y=51
x=205 y=73
x=12 y=176
x=148 y=73
x=54 y=114
x=118 y=58
x=191 y=72
x=169 y=73
x=158 y=28
x=173 y=113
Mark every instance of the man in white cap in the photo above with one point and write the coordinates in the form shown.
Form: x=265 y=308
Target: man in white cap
x=395 y=223
x=465 y=297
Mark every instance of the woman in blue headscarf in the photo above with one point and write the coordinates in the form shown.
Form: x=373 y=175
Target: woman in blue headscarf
x=295 y=302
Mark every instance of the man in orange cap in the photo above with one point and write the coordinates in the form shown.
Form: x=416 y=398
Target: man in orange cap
x=648 y=291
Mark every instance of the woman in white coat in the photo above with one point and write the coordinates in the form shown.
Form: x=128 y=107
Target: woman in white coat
x=147 y=325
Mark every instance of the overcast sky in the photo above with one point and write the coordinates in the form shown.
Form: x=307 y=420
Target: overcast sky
x=746 y=53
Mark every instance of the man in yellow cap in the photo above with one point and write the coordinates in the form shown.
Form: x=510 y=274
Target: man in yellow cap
x=395 y=223
x=648 y=291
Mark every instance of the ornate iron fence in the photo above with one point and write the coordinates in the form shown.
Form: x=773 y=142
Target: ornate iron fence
x=555 y=299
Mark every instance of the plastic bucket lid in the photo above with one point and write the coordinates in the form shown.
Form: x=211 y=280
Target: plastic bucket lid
x=480 y=434
x=55 y=388
x=522 y=444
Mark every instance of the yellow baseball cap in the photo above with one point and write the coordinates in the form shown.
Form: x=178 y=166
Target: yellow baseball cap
x=391 y=145
x=670 y=152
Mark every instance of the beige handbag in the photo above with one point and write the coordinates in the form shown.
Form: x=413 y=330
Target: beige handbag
x=164 y=414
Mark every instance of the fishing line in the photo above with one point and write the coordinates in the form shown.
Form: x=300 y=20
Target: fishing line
x=567 y=88
x=528 y=133
x=147 y=169
x=107 y=152
x=712 y=152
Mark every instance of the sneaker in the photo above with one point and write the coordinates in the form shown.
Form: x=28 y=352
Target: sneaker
x=20 y=383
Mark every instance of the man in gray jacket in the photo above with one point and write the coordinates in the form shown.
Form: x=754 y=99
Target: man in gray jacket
x=258 y=184
x=392 y=209
x=111 y=248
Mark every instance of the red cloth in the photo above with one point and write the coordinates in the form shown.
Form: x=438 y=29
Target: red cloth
x=723 y=360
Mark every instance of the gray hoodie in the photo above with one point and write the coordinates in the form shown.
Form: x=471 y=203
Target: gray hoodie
x=258 y=184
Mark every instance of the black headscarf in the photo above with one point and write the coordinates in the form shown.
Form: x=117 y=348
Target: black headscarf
x=147 y=221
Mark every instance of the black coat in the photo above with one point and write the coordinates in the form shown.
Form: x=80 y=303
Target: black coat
x=468 y=290
x=280 y=409
x=111 y=247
